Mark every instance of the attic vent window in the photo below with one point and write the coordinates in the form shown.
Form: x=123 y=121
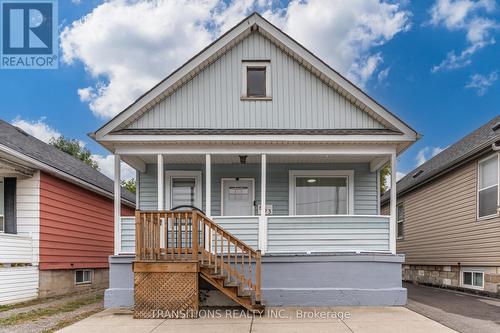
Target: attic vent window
x=496 y=126
x=418 y=173
x=256 y=80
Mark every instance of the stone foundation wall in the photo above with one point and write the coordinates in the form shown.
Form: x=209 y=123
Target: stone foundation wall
x=55 y=282
x=449 y=276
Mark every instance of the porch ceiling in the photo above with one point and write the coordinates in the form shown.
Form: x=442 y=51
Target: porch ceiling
x=255 y=159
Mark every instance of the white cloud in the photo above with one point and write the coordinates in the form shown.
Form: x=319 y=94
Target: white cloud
x=38 y=128
x=128 y=46
x=383 y=75
x=346 y=34
x=463 y=15
x=427 y=153
x=482 y=82
x=399 y=176
x=107 y=167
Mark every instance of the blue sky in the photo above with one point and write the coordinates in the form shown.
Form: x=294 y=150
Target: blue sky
x=443 y=105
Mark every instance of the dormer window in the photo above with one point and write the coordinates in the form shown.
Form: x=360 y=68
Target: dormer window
x=256 y=80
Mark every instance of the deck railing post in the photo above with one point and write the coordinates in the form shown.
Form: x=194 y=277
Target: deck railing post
x=194 y=238
x=138 y=233
x=257 y=276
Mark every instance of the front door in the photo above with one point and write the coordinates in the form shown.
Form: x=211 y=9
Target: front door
x=237 y=197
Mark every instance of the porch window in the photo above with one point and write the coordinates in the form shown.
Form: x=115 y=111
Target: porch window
x=320 y=195
x=488 y=187
x=182 y=188
x=400 y=219
x=8 y=214
x=183 y=191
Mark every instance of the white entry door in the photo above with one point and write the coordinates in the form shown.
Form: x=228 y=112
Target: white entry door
x=237 y=197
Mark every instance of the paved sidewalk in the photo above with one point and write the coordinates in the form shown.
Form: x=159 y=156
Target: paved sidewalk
x=361 y=319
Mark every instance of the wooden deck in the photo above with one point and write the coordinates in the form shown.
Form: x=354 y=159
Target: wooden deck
x=169 y=242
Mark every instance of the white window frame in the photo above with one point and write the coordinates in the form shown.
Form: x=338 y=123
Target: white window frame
x=222 y=193
x=398 y=220
x=2 y=216
x=292 y=177
x=169 y=174
x=265 y=64
x=471 y=270
x=478 y=181
x=83 y=275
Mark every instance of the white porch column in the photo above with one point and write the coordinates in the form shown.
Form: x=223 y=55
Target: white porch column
x=393 y=207
x=263 y=217
x=161 y=183
x=117 y=204
x=208 y=185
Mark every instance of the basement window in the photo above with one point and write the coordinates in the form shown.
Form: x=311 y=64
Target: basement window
x=83 y=276
x=256 y=80
x=472 y=279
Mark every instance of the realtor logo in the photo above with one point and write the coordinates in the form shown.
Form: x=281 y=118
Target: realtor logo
x=29 y=34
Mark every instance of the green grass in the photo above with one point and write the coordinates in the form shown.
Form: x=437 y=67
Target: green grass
x=48 y=311
x=67 y=322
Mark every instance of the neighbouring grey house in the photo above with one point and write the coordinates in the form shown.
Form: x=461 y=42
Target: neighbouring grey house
x=448 y=216
x=278 y=149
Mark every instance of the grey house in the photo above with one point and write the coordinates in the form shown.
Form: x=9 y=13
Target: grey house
x=279 y=150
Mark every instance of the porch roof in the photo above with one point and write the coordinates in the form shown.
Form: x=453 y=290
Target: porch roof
x=257 y=131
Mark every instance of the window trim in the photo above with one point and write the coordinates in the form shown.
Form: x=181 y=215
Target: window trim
x=471 y=270
x=402 y=221
x=478 y=175
x=83 y=276
x=2 y=216
x=169 y=174
x=222 y=192
x=293 y=174
x=256 y=63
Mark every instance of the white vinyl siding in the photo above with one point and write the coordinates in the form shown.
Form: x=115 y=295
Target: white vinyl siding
x=21 y=283
x=212 y=99
x=303 y=234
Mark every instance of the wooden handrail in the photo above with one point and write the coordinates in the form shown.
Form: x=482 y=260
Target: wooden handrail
x=191 y=235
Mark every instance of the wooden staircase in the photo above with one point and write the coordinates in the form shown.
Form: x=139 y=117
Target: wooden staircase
x=225 y=262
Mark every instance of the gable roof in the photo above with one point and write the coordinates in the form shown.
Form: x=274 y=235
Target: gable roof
x=215 y=50
x=21 y=142
x=472 y=145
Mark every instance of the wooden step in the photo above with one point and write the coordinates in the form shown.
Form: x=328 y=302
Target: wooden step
x=233 y=292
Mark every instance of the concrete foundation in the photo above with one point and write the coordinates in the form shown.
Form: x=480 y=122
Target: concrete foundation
x=299 y=280
x=332 y=280
x=56 y=282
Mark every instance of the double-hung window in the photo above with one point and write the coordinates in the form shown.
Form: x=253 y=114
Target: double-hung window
x=487 y=195
x=8 y=205
x=400 y=219
x=2 y=206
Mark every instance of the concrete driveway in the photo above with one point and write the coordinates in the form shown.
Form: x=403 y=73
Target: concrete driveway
x=360 y=319
x=460 y=311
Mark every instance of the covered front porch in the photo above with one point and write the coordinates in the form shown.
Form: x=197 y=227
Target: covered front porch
x=314 y=202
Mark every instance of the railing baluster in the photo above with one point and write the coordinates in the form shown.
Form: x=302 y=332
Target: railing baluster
x=194 y=238
x=186 y=233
